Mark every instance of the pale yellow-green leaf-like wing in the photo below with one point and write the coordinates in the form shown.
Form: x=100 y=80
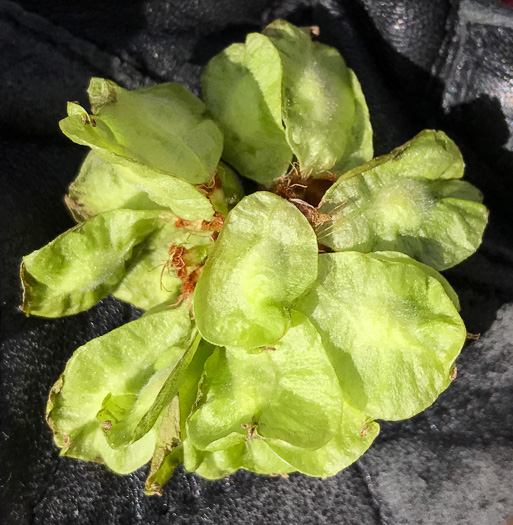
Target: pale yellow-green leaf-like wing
x=171 y=450
x=126 y=426
x=275 y=411
x=409 y=201
x=84 y=264
x=103 y=186
x=288 y=392
x=118 y=370
x=243 y=90
x=324 y=111
x=168 y=452
x=255 y=455
x=263 y=260
x=164 y=127
x=354 y=435
x=391 y=330
x=405 y=259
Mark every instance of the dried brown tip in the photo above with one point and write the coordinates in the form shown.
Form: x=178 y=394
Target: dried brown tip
x=312 y=214
x=175 y=260
x=316 y=189
x=188 y=286
x=251 y=428
x=213 y=184
x=321 y=248
x=215 y=224
x=292 y=185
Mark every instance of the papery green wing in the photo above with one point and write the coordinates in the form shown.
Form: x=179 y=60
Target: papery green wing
x=226 y=401
x=263 y=260
x=103 y=186
x=405 y=259
x=305 y=404
x=100 y=187
x=189 y=392
x=84 y=264
x=122 y=428
x=243 y=89
x=150 y=279
x=392 y=332
x=354 y=436
x=164 y=127
x=429 y=155
x=119 y=369
x=324 y=111
x=189 y=395
x=288 y=392
x=414 y=216
x=457 y=224
x=168 y=450
x=360 y=146
x=405 y=202
x=289 y=402
x=182 y=198
x=255 y=455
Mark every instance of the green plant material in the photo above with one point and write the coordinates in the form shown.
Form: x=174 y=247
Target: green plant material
x=164 y=127
x=288 y=96
x=150 y=279
x=354 y=435
x=183 y=199
x=128 y=420
x=392 y=332
x=255 y=352
x=188 y=392
x=263 y=260
x=407 y=201
x=254 y=455
x=103 y=186
x=405 y=259
x=100 y=187
x=108 y=370
x=324 y=111
x=289 y=392
x=250 y=111
x=275 y=411
x=83 y=265
x=228 y=193
x=168 y=450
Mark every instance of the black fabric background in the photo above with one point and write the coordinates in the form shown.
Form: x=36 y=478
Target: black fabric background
x=443 y=64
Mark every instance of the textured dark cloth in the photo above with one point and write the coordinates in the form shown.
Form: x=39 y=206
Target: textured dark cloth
x=422 y=63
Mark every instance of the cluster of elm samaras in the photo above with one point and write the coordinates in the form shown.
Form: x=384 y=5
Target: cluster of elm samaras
x=279 y=326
